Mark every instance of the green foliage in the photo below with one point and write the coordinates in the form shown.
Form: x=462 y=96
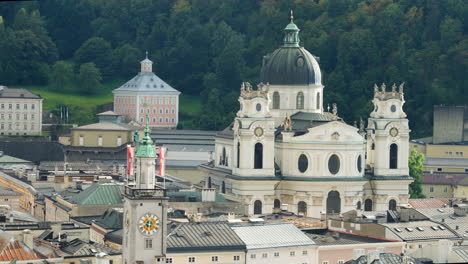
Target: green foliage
x=415 y=164
x=61 y=75
x=89 y=78
x=207 y=47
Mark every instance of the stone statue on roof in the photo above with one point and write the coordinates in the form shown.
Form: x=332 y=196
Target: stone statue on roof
x=287 y=123
x=335 y=109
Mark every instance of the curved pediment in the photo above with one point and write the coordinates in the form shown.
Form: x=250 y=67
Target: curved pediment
x=329 y=132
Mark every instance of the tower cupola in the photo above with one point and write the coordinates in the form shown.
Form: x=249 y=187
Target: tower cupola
x=291 y=34
x=146 y=64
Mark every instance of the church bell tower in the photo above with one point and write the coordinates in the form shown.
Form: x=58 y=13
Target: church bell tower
x=254 y=133
x=145 y=210
x=388 y=133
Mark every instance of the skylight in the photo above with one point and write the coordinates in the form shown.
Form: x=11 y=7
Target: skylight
x=409 y=229
x=420 y=228
x=441 y=228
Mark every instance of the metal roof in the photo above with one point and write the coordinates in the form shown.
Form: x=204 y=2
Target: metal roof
x=77 y=247
x=147 y=82
x=111 y=219
x=10 y=159
x=203 y=237
x=330 y=237
x=100 y=193
x=8 y=192
x=272 y=236
x=444 y=162
x=408 y=231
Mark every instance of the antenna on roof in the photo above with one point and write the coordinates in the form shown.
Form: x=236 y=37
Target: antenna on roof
x=292 y=16
x=146 y=54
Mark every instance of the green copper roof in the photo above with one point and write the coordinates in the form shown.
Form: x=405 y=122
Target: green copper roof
x=105 y=193
x=146 y=149
x=291 y=34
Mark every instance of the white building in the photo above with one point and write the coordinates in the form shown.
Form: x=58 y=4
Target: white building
x=283 y=151
x=20 y=112
x=276 y=243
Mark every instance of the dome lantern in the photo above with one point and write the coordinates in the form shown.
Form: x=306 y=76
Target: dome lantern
x=291 y=34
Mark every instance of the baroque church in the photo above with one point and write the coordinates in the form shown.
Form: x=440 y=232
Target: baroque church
x=285 y=152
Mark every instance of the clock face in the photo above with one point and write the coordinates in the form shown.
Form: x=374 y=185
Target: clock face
x=258 y=132
x=393 y=132
x=148 y=224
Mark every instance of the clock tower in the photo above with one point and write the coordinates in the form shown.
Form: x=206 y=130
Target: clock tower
x=387 y=151
x=388 y=133
x=254 y=133
x=145 y=209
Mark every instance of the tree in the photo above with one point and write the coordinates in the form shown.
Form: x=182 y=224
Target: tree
x=415 y=164
x=98 y=51
x=89 y=78
x=61 y=75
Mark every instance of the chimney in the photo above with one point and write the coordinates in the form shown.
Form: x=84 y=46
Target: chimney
x=208 y=194
x=27 y=238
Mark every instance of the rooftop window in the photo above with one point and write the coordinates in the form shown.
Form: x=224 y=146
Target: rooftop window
x=409 y=229
x=420 y=228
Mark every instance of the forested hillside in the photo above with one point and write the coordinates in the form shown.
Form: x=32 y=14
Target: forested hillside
x=207 y=47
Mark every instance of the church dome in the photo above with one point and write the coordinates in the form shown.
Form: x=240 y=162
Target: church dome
x=290 y=64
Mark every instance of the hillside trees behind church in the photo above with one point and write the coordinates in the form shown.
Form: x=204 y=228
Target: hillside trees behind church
x=415 y=164
x=359 y=42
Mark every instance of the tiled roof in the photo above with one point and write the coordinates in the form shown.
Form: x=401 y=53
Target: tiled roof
x=13 y=249
x=446 y=216
x=441 y=178
x=6 y=92
x=428 y=202
x=408 y=231
x=147 y=82
x=114 y=236
x=97 y=193
x=203 y=237
x=272 y=236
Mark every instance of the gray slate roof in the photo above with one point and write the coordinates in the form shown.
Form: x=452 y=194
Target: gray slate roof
x=272 y=236
x=328 y=238
x=147 y=82
x=6 y=92
x=189 y=237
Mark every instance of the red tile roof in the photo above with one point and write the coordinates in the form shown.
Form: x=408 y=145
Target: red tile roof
x=442 y=178
x=13 y=249
x=428 y=203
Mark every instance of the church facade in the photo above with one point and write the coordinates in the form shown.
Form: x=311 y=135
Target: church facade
x=283 y=151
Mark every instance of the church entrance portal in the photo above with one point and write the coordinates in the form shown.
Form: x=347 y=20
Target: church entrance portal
x=333 y=203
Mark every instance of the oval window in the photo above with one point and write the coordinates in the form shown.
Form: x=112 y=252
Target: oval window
x=359 y=163
x=393 y=108
x=259 y=107
x=300 y=62
x=303 y=163
x=334 y=164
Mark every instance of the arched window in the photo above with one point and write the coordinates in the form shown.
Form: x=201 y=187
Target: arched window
x=300 y=100
x=302 y=163
x=277 y=204
x=368 y=205
x=334 y=164
x=276 y=100
x=238 y=154
x=359 y=164
x=392 y=205
x=258 y=159
x=302 y=208
x=333 y=203
x=318 y=101
x=258 y=207
x=358 y=205
x=393 y=156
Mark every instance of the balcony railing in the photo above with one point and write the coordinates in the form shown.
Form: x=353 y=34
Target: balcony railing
x=142 y=193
